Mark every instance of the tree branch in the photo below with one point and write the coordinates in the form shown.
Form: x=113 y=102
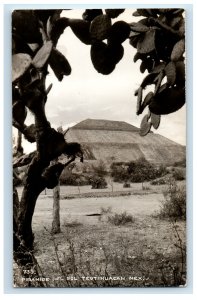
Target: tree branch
x=24 y=160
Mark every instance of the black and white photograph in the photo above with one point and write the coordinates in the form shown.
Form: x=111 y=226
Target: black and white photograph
x=99 y=147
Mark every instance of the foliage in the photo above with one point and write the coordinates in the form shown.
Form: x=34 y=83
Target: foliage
x=160 y=181
x=104 y=210
x=126 y=185
x=159 y=38
x=119 y=219
x=136 y=171
x=98 y=182
x=74 y=179
x=119 y=171
x=181 y=163
x=176 y=173
x=174 y=204
x=179 y=173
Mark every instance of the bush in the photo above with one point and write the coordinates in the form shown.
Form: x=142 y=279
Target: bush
x=174 y=204
x=120 y=219
x=179 y=174
x=160 y=181
x=181 y=163
x=126 y=185
x=104 y=210
x=119 y=172
x=136 y=171
x=74 y=179
x=98 y=182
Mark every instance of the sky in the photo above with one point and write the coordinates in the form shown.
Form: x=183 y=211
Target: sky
x=88 y=94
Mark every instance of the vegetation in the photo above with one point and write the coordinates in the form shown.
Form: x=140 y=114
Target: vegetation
x=119 y=219
x=160 y=181
x=98 y=182
x=174 y=204
x=136 y=171
x=75 y=179
x=181 y=163
x=126 y=185
x=179 y=174
x=86 y=255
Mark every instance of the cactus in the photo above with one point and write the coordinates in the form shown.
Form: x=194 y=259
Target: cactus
x=119 y=32
x=42 y=55
x=155 y=120
x=114 y=13
x=26 y=25
x=147 y=42
x=100 y=27
x=170 y=71
x=145 y=126
x=59 y=64
x=20 y=63
x=90 y=14
x=167 y=101
x=81 y=29
x=178 y=50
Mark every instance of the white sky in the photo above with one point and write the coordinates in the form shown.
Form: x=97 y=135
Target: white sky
x=88 y=94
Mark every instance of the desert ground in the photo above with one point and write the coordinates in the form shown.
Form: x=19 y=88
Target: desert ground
x=93 y=250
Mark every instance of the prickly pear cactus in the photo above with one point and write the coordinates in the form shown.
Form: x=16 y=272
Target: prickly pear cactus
x=145 y=125
x=159 y=38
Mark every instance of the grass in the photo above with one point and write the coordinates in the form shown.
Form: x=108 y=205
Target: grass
x=119 y=219
x=150 y=253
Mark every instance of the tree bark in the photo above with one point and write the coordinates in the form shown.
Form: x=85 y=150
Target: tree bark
x=19 y=143
x=34 y=185
x=56 y=210
x=15 y=217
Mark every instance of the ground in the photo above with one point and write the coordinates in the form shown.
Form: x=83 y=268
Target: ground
x=91 y=251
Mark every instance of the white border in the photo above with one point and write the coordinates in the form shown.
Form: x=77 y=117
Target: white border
x=191 y=162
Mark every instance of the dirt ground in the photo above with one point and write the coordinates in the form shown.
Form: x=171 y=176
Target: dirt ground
x=145 y=252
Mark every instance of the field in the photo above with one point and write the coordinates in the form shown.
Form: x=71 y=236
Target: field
x=94 y=250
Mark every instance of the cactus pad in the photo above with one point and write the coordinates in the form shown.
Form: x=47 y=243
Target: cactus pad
x=100 y=27
x=145 y=126
x=20 y=64
x=42 y=55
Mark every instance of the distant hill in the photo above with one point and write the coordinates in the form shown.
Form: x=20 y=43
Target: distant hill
x=119 y=141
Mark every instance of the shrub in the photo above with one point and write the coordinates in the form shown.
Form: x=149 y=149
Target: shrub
x=181 y=163
x=119 y=172
x=120 y=219
x=104 y=210
x=136 y=171
x=74 y=179
x=98 y=182
x=160 y=181
x=179 y=174
x=126 y=185
x=174 y=204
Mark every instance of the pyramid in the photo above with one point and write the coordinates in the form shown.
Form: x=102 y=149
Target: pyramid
x=120 y=142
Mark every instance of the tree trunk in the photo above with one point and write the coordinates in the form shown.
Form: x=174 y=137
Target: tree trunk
x=56 y=210
x=19 y=141
x=15 y=217
x=34 y=185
